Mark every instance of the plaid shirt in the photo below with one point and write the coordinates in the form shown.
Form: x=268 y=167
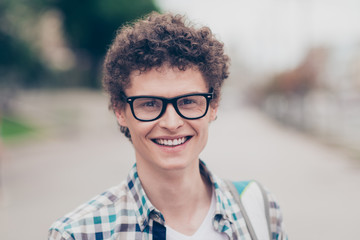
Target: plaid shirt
x=125 y=212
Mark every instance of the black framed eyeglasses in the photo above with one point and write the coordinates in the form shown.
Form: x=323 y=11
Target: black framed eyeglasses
x=188 y=106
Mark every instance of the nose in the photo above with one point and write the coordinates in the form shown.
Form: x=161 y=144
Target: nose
x=171 y=119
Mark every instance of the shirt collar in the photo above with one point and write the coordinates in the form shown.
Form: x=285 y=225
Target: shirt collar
x=223 y=206
x=144 y=208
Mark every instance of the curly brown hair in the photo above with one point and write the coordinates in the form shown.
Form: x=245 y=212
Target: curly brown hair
x=160 y=39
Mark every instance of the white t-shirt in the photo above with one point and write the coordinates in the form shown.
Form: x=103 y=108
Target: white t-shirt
x=206 y=230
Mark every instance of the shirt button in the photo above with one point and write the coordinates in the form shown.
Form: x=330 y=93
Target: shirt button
x=157 y=217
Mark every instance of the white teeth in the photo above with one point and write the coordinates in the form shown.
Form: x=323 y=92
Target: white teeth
x=171 y=142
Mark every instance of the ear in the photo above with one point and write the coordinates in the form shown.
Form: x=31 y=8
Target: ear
x=120 y=116
x=213 y=112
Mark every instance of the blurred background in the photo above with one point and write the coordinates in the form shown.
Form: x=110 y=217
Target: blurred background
x=289 y=116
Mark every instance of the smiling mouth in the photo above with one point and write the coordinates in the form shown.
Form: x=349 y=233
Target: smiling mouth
x=171 y=142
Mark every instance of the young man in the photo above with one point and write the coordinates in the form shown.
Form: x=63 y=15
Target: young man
x=164 y=79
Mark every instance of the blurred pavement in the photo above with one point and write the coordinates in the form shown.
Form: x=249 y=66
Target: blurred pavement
x=80 y=153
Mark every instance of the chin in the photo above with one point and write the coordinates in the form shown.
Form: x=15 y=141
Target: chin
x=176 y=163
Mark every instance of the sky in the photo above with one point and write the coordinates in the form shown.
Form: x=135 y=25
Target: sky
x=271 y=35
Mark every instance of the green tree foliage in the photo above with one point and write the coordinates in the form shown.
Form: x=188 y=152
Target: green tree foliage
x=19 y=63
x=90 y=26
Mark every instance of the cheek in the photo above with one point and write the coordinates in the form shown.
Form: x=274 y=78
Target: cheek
x=203 y=136
x=139 y=129
x=203 y=127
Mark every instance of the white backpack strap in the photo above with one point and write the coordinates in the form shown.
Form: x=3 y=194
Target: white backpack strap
x=267 y=206
x=256 y=204
x=254 y=207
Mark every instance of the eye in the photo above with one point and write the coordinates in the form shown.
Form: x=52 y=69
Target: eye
x=189 y=100
x=194 y=102
x=147 y=103
x=186 y=101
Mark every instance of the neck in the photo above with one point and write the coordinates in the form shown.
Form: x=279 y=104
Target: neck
x=165 y=187
x=183 y=196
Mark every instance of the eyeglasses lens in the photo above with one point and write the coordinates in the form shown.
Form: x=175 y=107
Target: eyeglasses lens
x=147 y=108
x=192 y=106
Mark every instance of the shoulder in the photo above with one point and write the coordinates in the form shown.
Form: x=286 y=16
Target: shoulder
x=99 y=215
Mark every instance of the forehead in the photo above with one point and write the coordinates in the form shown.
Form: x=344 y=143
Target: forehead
x=167 y=82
